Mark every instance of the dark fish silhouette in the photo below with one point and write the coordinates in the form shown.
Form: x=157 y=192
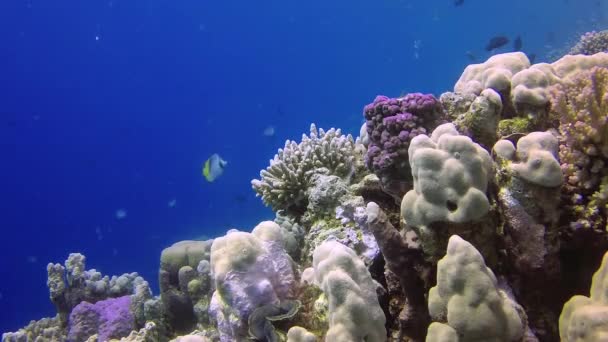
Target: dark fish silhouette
x=532 y=57
x=458 y=2
x=517 y=44
x=240 y=198
x=496 y=42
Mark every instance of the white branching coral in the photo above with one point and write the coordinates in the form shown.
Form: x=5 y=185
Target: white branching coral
x=284 y=184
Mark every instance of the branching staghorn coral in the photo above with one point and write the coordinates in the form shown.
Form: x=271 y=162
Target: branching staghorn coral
x=284 y=184
x=580 y=106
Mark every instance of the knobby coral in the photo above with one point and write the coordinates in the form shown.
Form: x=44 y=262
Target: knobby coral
x=391 y=125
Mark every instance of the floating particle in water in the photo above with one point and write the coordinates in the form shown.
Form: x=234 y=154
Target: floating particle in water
x=98 y=233
x=269 y=131
x=172 y=203
x=417 y=45
x=32 y=259
x=120 y=214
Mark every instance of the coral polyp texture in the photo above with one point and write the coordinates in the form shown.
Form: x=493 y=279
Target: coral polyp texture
x=580 y=108
x=591 y=43
x=391 y=125
x=493 y=200
x=250 y=270
x=284 y=184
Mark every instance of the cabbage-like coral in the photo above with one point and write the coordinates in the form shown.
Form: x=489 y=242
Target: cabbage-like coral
x=250 y=270
x=284 y=184
x=580 y=106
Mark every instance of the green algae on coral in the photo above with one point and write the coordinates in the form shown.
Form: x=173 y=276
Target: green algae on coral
x=514 y=125
x=260 y=326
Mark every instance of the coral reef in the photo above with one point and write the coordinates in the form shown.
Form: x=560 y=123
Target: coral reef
x=591 y=43
x=451 y=175
x=475 y=116
x=468 y=299
x=184 y=284
x=404 y=259
x=249 y=270
x=524 y=88
x=500 y=215
x=354 y=311
x=529 y=178
x=284 y=184
x=110 y=318
x=391 y=125
x=44 y=330
x=73 y=284
x=580 y=107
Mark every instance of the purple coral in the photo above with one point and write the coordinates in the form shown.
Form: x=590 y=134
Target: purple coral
x=391 y=124
x=110 y=318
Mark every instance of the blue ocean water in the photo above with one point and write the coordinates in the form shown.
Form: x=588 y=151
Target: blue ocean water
x=114 y=105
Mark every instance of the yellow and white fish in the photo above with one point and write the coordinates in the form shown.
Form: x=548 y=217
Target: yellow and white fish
x=214 y=167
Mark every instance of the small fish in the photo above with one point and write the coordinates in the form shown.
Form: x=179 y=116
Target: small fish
x=458 y=3
x=471 y=56
x=240 y=198
x=214 y=167
x=120 y=214
x=532 y=57
x=517 y=44
x=172 y=203
x=496 y=42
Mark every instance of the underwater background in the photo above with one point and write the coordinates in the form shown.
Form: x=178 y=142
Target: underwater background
x=112 y=107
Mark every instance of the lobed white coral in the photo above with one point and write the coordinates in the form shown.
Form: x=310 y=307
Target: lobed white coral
x=450 y=179
x=467 y=297
x=354 y=312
